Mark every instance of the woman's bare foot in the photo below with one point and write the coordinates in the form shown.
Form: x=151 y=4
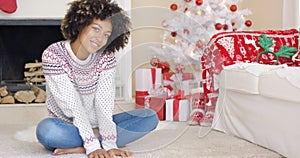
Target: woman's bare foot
x=122 y=146
x=60 y=151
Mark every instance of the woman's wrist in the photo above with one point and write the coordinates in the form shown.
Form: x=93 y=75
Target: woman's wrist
x=96 y=132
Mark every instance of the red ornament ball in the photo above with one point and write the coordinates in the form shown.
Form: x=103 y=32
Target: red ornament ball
x=187 y=0
x=174 y=6
x=174 y=34
x=165 y=67
x=232 y=23
x=248 y=23
x=154 y=62
x=200 y=44
x=233 y=8
x=218 y=26
x=225 y=27
x=199 y=2
x=186 y=31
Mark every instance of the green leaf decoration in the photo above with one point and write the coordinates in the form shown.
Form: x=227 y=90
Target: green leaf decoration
x=266 y=43
x=286 y=52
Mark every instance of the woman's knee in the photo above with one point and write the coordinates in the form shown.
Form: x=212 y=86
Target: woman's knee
x=51 y=129
x=45 y=130
x=55 y=132
x=145 y=112
x=151 y=118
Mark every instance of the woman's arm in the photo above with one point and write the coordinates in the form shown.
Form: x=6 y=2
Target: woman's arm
x=104 y=104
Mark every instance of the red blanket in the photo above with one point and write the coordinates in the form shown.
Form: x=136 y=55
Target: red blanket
x=228 y=48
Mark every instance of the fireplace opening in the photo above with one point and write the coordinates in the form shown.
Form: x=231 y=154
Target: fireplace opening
x=23 y=42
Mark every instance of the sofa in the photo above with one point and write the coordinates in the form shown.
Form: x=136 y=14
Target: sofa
x=257 y=95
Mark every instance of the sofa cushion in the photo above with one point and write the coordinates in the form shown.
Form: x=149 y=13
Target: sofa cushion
x=244 y=77
x=282 y=84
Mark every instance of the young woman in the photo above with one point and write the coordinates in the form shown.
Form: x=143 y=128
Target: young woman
x=80 y=87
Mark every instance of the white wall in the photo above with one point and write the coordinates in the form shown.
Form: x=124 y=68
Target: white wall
x=266 y=14
x=291 y=14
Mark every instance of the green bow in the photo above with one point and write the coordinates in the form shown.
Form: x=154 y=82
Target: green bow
x=266 y=43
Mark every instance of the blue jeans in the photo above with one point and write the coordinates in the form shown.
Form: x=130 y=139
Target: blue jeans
x=54 y=133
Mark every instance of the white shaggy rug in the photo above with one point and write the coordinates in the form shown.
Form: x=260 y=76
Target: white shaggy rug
x=169 y=140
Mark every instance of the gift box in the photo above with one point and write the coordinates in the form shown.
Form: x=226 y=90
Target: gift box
x=155 y=100
x=156 y=103
x=177 y=110
x=149 y=92
x=145 y=80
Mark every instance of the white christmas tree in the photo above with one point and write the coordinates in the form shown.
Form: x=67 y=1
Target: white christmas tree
x=190 y=25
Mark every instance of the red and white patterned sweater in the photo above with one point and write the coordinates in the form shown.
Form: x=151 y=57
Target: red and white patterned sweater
x=82 y=92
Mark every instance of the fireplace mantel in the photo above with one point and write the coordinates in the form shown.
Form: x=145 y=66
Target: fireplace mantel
x=27 y=22
x=38 y=9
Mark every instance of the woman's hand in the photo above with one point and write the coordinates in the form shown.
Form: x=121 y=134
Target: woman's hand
x=99 y=153
x=118 y=152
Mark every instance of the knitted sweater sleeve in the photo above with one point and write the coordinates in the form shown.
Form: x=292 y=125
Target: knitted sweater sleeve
x=104 y=103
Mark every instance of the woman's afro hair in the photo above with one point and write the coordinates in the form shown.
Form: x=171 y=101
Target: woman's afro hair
x=82 y=12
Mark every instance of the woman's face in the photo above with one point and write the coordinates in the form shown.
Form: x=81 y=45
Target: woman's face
x=94 y=36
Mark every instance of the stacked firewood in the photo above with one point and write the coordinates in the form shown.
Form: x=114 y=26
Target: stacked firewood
x=5 y=96
x=35 y=94
x=35 y=73
x=33 y=77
